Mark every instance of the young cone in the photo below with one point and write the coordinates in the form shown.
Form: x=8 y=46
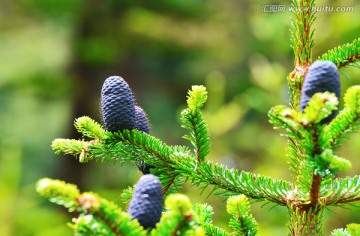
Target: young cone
x=147 y=202
x=117 y=104
x=322 y=76
x=142 y=124
x=141 y=120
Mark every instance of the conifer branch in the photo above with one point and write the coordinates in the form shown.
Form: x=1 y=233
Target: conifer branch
x=344 y=123
x=194 y=122
x=343 y=55
x=303 y=131
x=302 y=40
x=242 y=221
x=109 y=213
x=302 y=34
x=199 y=134
x=340 y=232
x=174 y=160
x=206 y=173
x=204 y=214
x=306 y=222
x=86 y=225
x=178 y=218
x=342 y=191
x=89 y=128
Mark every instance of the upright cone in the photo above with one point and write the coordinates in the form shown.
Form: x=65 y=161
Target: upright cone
x=322 y=76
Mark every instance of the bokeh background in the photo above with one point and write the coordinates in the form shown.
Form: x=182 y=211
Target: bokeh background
x=55 y=55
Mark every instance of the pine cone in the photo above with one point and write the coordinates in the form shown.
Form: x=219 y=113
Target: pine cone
x=117 y=104
x=141 y=120
x=142 y=124
x=322 y=76
x=147 y=202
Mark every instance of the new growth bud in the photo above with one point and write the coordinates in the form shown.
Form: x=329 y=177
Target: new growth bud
x=147 y=202
x=322 y=76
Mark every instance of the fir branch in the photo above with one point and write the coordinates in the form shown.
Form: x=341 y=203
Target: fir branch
x=176 y=221
x=197 y=96
x=199 y=134
x=242 y=221
x=59 y=192
x=289 y=120
x=343 y=55
x=86 y=225
x=299 y=143
x=306 y=222
x=340 y=232
x=302 y=34
x=214 y=230
x=346 y=122
x=128 y=145
x=320 y=106
x=204 y=214
x=194 y=122
x=205 y=173
x=89 y=128
x=126 y=195
x=109 y=213
x=295 y=80
x=70 y=146
x=302 y=40
x=342 y=191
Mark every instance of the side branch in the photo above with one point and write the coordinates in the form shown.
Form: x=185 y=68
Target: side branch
x=176 y=160
x=346 y=191
x=206 y=173
x=343 y=55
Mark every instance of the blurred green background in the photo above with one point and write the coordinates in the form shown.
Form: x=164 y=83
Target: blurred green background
x=55 y=55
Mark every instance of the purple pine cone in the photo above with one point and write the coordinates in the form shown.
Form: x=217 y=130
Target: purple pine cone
x=117 y=104
x=147 y=202
x=322 y=76
x=142 y=124
x=141 y=120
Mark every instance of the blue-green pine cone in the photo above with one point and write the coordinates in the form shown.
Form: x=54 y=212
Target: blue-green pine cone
x=147 y=202
x=117 y=105
x=322 y=76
